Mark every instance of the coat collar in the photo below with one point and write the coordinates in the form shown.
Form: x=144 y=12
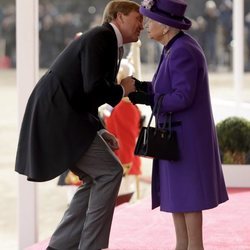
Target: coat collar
x=116 y=32
x=171 y=42
x=118 y=35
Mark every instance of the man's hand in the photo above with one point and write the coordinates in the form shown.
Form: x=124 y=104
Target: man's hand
x=128 y=85
x=111 y=140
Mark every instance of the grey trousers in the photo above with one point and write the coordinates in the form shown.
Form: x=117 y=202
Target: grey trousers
x=86 y=223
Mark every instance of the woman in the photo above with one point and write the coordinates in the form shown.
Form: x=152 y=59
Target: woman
x=195 y=182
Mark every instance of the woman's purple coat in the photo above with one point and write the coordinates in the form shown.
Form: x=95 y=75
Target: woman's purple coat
x=196 y=181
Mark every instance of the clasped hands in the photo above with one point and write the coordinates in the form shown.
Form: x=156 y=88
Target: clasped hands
x=136 y=90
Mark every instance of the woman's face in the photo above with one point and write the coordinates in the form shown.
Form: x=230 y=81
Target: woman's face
x=154 y=29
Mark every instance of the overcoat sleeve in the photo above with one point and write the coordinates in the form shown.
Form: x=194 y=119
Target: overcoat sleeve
x=183 y=72
x=99 y=59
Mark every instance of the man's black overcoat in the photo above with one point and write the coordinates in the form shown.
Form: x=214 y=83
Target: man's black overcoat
x=61 y=117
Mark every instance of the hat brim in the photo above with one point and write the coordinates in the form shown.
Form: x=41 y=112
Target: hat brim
x=184 y=24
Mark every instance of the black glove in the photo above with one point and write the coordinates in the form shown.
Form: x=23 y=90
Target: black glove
x=139 y=98
x=140 y=86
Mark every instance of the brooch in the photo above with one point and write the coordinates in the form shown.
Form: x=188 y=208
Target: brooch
x=147 y=4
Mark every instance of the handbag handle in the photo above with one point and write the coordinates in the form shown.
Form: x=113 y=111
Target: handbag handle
x=168 y=121
x=146 y=131
x=155 y=108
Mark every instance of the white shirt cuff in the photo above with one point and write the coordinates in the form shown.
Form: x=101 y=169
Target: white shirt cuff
x=101 y=131
x=123 y=91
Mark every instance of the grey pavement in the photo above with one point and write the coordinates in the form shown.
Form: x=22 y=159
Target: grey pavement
x=52 y=199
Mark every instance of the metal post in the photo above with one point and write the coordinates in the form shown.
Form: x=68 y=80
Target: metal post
x=27 y=74
x=135 y=50
x=238 y=47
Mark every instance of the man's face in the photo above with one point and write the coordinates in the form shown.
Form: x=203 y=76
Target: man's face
x=131 y=26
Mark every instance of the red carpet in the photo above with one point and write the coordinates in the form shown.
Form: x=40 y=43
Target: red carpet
x=137 y=227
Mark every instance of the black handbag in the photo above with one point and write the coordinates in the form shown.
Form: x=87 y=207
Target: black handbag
x=158 y=142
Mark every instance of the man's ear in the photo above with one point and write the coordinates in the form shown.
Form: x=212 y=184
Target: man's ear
x=119 y=17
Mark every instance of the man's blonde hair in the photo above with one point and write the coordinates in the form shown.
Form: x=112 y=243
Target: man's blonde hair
x=115 y=6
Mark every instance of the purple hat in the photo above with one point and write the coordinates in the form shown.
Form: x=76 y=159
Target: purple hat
x=169 y=12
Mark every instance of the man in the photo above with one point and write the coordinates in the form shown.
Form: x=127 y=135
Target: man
x=61 y=128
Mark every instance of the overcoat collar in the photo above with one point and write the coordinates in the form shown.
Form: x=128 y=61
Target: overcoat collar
x=109 y=26
x=171 y=42
x=118 y=35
